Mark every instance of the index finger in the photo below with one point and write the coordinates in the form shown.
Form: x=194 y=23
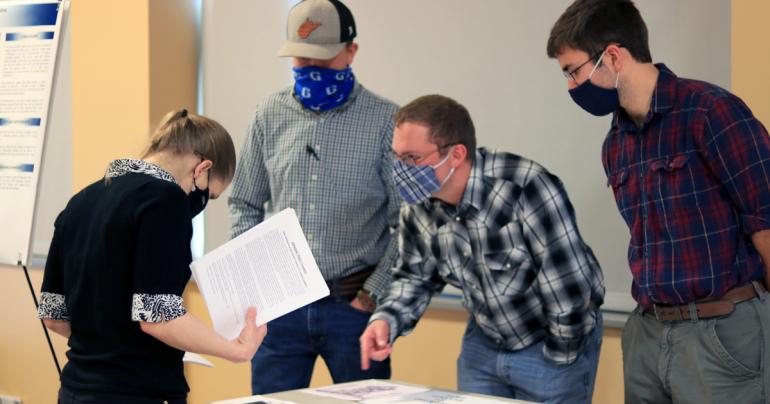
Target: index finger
x=366 y=345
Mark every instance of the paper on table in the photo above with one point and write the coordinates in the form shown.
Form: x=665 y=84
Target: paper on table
x=253 y=400
x=434 y=397
x=191 y=357
x=269 y=267
x=365 y=390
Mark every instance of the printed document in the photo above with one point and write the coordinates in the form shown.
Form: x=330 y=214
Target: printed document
x=365 y=390
x=269 y=267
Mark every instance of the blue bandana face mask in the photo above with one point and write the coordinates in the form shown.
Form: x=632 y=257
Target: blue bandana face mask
x=320 y=89
x=417 y=183
x=596 y=100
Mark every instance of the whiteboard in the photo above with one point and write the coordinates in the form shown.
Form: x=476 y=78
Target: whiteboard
x=489 y=55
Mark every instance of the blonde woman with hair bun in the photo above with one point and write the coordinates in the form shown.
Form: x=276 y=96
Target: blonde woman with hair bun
x=119 y=262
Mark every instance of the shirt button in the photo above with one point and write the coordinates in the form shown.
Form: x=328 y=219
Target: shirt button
x=312 y=206
x=318 y=147
x=507 y=265
x=310 y=237
x=457 y=218
x=314 y=177
x=466 y=253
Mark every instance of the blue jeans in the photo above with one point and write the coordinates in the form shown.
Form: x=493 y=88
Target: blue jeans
x=329 y=327
x=526 y=374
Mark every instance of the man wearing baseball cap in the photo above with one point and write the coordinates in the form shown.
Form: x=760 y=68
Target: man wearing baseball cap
x=322 y=147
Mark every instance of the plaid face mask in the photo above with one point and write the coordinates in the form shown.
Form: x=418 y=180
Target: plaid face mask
x=417 y=183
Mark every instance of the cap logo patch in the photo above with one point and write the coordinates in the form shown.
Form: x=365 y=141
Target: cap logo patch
x=307 y=28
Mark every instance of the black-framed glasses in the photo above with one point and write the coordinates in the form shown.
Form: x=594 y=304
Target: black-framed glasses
x=413 y=160
x=570 y=75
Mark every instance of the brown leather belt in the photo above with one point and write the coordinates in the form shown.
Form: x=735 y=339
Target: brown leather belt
x=347 y=287
x=707 y=309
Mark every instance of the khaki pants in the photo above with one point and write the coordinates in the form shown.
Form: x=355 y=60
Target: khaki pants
x=722 y=360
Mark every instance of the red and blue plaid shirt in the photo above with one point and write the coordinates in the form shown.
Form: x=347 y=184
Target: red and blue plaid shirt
x=693 y=184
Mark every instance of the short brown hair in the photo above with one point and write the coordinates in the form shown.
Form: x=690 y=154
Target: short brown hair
x=449 y=122
x=591 y=25
x=182 y=132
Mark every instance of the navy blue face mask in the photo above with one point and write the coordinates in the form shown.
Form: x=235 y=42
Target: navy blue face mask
x=594 y=99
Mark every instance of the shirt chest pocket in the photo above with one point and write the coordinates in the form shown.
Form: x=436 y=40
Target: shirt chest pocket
x=453 y=249
x=669 y=164
x=507 y=269
x=506 y=260
x=617 y=180
x=671 y=186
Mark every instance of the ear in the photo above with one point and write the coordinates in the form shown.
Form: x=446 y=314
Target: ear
x=352 y=49
x=202 y=167
x=615 y=57
x=458 y=155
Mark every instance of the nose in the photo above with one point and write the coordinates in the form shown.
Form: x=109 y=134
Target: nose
x=571 y=84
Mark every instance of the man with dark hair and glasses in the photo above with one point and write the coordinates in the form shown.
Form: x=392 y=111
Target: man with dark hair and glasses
x=689 y=166
x=500 y=228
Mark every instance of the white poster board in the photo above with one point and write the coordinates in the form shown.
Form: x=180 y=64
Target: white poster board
x=29 y=42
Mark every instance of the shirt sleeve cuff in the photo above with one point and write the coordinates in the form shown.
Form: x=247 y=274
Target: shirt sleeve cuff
x=156 y=308
x=52 y=307
x=392 y=323
x=754 y=223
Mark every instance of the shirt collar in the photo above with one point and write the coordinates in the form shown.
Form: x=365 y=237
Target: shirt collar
x=121 y=167
x=474 y=188
x=663 y=97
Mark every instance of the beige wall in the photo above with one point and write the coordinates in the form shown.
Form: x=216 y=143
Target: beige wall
x=751 y=55
x=110 y=84
x=26 y=368
x=115 y=100
x=173 y=79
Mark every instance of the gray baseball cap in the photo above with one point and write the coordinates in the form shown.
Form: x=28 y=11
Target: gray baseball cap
x=318 y=29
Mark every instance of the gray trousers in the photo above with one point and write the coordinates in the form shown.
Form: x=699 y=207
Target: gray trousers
x=723 y=360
